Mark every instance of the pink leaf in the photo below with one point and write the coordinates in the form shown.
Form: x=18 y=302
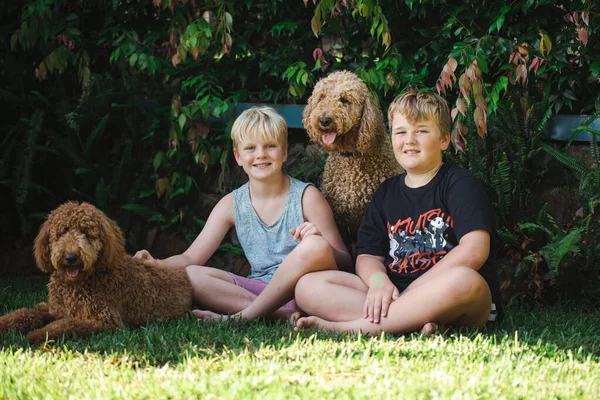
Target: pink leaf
x=582 y=33
x=317 y=54
x=585 y=17
x=540 y=62
x=461 y=106
x=156 y=3
x=202 y=129
x=534 y=63
x=576 y=17
x=454 y=113
x=568 y=18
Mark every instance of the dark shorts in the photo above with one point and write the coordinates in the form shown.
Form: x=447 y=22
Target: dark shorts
x=256 y=286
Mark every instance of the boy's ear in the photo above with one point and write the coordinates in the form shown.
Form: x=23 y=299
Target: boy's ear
x=446 y=141
x=237 y=156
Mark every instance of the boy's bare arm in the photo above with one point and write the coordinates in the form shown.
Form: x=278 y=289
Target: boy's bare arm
x=472 y=251
x=206 y=243
x=316 y=210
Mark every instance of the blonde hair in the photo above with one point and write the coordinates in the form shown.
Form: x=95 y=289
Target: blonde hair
x=416 y=105
x=260 y=122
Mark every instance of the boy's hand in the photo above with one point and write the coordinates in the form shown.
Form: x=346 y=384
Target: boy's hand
x=146 y=258
x=305 y=229
x=382 y=292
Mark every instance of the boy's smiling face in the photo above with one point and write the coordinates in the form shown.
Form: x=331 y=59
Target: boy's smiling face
x=418 y=146
x=260 y=158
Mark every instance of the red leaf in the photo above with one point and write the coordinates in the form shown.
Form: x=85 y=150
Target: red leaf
x=576 y=17
x=568 y=18
x=449 y=71
x=533 y=63
x=582 y=33
x=202 y=129
x=440 y=88
x=317 y=54
x=156 y=3
x=446 y=80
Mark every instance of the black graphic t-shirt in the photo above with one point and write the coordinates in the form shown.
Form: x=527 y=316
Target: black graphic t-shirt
x=414 y=228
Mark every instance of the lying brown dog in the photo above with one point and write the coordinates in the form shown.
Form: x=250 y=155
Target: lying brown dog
x=94 y=284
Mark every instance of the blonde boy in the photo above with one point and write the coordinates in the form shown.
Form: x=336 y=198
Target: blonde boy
x=423 y=244
x=285 y=227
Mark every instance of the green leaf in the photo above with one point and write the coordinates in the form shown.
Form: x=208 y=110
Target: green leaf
x=133 y=59
x=158 y=160
x=177 y=193
x=13 y=40
x=182 y=120
x=595 y=68
x=140 y=210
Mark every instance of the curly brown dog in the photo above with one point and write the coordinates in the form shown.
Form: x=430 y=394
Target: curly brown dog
x=344 y=119
x=94 y=284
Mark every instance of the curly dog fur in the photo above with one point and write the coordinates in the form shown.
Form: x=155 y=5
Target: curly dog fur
x=344 y=119
x=94 y=284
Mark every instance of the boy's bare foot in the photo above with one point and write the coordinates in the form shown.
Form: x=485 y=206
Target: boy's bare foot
x=294 y=317
x=207 y=315
x=314 y=323
x=430 y=328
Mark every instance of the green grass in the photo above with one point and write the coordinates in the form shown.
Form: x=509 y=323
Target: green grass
x=533 y=354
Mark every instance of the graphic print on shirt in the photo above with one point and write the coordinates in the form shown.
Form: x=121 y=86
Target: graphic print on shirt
x=418 y=245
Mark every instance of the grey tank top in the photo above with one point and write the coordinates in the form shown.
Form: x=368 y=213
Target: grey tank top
x=265 y=246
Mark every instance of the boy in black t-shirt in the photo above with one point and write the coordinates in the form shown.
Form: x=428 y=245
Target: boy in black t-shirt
x=423 y=244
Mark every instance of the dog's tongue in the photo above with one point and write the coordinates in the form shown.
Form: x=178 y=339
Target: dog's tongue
x=72 y=272
x=328 y=138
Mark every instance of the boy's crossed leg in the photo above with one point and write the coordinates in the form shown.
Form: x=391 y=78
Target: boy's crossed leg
x=456 y=296
x=216 y=290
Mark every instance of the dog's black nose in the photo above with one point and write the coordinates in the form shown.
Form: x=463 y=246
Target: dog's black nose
x=324 y=120
x=70 y=258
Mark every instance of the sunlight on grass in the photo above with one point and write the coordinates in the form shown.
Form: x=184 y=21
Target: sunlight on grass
x=533 y=354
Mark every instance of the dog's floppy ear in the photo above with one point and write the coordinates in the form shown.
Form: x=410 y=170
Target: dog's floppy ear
x=306 y=115
x=41 y=248
x=371 y=125
x=113 y=241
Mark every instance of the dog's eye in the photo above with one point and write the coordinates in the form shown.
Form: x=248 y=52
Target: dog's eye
x=344 y=100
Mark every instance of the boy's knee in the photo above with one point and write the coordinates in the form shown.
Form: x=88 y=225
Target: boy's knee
x=467 y=284
x=198 y=278
x=305 y=289
x=315 y=249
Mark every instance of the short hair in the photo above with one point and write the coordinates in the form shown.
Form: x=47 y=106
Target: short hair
x=416 y=105
x=260 y=122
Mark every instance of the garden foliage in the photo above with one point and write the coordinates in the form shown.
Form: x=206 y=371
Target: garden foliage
x=127 y=104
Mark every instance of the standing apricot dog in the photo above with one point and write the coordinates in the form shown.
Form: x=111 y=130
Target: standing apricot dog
x=344 y=119
x=94 y=284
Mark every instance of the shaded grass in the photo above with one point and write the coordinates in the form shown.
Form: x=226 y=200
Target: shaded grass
x=536 y=353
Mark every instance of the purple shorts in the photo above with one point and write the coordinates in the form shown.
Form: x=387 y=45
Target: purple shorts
x=256 y=286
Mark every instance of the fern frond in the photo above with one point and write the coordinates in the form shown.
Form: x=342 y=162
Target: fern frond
x=544 y=120
x=556 y=250
x=563 y=158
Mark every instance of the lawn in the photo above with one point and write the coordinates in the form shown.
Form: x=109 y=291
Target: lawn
x=535 y=353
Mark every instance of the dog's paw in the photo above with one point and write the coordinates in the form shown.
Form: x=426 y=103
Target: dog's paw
x=37 y=337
